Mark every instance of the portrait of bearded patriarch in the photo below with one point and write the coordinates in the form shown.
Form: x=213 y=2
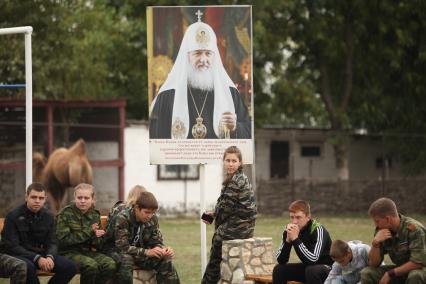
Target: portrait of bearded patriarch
x=198 y=100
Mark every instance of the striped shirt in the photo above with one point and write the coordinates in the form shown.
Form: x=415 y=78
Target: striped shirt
x=312 y=246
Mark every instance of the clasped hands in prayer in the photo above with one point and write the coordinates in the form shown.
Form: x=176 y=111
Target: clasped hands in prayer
x=292 y=232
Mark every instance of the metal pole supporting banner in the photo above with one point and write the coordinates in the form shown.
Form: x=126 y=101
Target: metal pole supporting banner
x=203 y=226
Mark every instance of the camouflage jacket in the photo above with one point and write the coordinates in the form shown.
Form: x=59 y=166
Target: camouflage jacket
x=126 y=235
x=74 y=229
x=408 y=244
x=235 y=210
x=113 y=212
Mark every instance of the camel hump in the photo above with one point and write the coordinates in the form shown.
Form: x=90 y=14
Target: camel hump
x=79 y=148
x=39 y=158
x=39 y=162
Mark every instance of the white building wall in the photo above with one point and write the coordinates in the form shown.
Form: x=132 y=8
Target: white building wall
x=105 y=179
x=262 y=152
x=170 y=194
x=363 y=152
x=300 y=167
x=317 y=167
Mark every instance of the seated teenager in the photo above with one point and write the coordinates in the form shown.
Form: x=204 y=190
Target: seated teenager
x=134 y=239
x=29 y=235
x=349 y=259
x=78 y=232
x=311 y=242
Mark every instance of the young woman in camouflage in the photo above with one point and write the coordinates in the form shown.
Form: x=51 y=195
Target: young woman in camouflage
x=234 y=214
x=78 y=233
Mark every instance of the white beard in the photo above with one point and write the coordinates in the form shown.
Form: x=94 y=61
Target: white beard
x=200 y=79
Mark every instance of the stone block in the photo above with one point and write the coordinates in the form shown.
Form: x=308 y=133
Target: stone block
x=238 y=277
x=225 y=272
x=235 y=251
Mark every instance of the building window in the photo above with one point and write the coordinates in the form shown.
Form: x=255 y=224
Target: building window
x=310 y=151
x=279 y=159
x=178 y=172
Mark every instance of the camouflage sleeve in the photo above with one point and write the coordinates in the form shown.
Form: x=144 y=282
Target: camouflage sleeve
x=121 y=234
x=14 y=268
x=156 y=239
x=232 y=196
x=417 y=245
x=383 y=251
x=69 y=231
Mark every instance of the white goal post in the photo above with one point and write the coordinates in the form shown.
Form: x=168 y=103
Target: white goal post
x=28 y=98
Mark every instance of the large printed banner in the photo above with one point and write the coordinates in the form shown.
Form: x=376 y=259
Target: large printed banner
x=200 y=83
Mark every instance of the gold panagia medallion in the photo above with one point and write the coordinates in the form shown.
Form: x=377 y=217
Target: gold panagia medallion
x=199 y=130
x=178 y=129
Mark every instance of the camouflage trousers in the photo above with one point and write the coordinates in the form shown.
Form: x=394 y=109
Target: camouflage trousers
x=94 y=267
x=14 y=268
x=166 y=272
x=212 y=273
x=370 y=275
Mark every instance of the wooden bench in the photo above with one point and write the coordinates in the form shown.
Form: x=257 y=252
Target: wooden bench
x=258 y=279
x=267 y=279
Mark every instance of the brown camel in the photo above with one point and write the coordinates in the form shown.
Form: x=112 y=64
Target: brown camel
x=65 y=168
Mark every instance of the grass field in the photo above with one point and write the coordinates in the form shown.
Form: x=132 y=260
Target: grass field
x=184 y=236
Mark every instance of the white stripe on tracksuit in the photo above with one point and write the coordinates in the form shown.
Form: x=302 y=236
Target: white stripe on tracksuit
x=317 y=249
x=280 y=249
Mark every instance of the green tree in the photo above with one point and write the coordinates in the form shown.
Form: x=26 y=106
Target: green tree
x=341 y=65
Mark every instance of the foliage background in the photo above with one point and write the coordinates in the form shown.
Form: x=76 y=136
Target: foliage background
x=340 y=65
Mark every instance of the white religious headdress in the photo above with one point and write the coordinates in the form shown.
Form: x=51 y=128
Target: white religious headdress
x=198 y=36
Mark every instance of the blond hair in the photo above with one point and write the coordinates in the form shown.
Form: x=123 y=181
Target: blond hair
x=85 y=186
x=134 y=194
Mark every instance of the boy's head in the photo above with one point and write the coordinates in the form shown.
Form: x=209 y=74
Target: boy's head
x=146 y=206
x=340 y=252
x=300 y=213
x=35 y=196
x=134 y=194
